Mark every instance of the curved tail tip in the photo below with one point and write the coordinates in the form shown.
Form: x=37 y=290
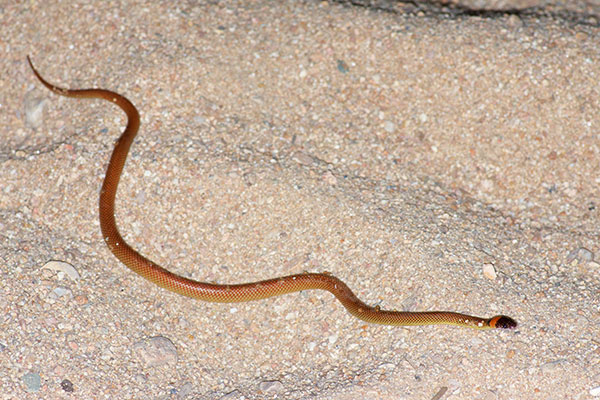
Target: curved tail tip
x=503 y=322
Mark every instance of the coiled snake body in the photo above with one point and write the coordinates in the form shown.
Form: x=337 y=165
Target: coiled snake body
x=246 y=291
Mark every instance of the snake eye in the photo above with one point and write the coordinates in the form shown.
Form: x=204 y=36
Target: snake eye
x=503 y=322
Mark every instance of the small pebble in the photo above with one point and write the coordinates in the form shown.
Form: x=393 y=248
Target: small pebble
x=389 y=126
x=440 y=393
x=185 y=390
x=332 y=338
x=291 y=316
x=329 y=178
x=388 y=366
x=489 y=271
x=302 y=158
x=62 y=268
x=342 y=66
x=594 y=265
x=67 y=386
x=595 y=391
x=234 y=395
x=553 y=366
x=62 y=291
x=514 y=21
x=140 y=378
x=156 y=351
x=271 y=387
x=34 y=110
x=580 y=254
x=581 y=36
x=32 y=382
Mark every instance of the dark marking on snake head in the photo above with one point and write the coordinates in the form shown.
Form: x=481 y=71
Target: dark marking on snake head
x=503 y=322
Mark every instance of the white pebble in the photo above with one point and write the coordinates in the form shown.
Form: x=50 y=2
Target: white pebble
x=271 y=387
x=489 y=271
x=34 y=110
x=62 y=291
x=332 y=338
x=291 y=316
x=62 y=268
x=389 y=126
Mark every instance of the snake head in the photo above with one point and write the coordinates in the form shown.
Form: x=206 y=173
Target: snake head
x=503 y=322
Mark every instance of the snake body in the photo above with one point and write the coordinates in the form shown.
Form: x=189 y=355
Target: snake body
x=222 y=293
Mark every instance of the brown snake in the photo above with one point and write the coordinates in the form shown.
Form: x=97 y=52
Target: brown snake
x=245 y=291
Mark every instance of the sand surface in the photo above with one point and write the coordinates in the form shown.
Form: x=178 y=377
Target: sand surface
x=432 y=163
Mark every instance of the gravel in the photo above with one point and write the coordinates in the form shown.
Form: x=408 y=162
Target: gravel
x=430 y=162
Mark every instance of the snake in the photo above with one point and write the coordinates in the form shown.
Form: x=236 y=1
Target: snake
x=243 y=292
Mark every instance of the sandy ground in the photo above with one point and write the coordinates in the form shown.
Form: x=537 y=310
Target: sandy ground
x=431 y=163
